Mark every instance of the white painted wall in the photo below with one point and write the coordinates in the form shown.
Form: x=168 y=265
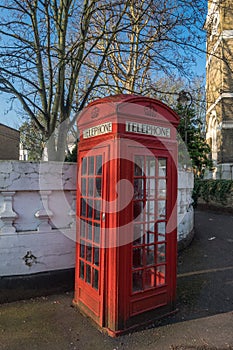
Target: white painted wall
x=184 y=204
x=29 y=192
x=37 y=215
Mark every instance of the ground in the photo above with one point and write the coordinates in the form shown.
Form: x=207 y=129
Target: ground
x=204 y=320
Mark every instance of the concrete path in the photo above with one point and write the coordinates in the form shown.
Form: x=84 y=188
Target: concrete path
x=205 y=303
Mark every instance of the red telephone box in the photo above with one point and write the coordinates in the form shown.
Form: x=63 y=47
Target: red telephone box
x=126 y=212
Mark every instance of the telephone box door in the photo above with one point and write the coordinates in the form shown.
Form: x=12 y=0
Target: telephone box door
x=154 y=232
x=90 y=252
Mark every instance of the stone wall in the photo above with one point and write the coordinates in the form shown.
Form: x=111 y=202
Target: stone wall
x=221 y=171
x=185 y=230
x=219 y=80
x=37 y=219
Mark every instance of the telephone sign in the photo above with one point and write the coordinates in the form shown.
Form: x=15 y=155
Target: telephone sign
x=147 y=129
x=97 y=130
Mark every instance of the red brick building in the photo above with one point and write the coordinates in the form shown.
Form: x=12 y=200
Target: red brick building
x=9 y=143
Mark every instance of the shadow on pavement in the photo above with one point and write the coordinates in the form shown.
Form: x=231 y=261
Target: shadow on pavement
x=205 y=268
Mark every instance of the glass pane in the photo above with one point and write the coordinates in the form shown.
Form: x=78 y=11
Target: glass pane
x=162 y=188
x=138 y=234
x=151 y=227
x=81 y=269
x=138 y=188
x=84 y=166
x=96 y=256
x=161 y=227
x=82 y=249
x=88 y=252
x=150 y=188
x=90 y=165
x=97 y=233
x=137 y=281
x=161 y=209
x=138 y=165
x=89 y=231
x=150 y=255
x=161 y=253
x=97 y=209
x=90 y=187
x=149 y=237
x=149 y=277
x=137 y=257
x=160 y=275
x=98 y=169
x=89 y=208
x=138 y=210
x=98 y=184
x=150 y=208
x=88 y=273
x=96 y=279
x=83 y=187
x=83 y=207
x=150 y=166
x=82 y=228
x=163 y=167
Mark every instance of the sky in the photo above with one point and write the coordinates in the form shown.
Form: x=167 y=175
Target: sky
x=10 y=115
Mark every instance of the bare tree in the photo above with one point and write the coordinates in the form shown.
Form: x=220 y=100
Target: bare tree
x=56 y=55
x=164 y=41
x=45 y=50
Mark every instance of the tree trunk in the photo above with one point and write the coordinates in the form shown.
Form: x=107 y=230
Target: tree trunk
x=50 y=147
x=62 y=140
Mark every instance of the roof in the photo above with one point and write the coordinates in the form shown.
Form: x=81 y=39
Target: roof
x=132 y=98
x=9 y=127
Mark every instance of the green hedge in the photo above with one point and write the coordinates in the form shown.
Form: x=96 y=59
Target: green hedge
x=216 y=190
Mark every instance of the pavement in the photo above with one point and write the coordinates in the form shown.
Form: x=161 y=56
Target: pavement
x=204 y=300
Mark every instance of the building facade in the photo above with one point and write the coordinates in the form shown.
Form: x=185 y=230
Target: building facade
x=219 y=85
x=9 y=143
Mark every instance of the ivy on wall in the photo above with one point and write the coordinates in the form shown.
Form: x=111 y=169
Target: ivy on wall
x=216 y=190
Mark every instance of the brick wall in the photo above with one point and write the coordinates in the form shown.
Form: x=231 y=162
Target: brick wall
x=219 y=78
x=9 y=143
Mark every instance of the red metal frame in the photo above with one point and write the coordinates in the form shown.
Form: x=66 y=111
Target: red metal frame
x=90 y=231
x=121 y=302
x=142 y=299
